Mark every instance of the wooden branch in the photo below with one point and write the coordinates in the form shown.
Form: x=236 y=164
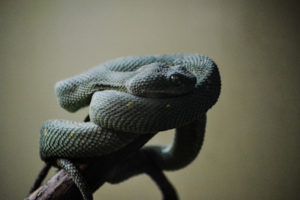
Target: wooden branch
x=61 y=186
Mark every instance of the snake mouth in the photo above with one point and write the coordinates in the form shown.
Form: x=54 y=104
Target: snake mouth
x=157 y=94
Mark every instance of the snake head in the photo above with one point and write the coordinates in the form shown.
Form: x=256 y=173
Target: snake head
x=159 y=80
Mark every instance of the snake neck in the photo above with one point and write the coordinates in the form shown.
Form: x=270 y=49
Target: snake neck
x=184 y=149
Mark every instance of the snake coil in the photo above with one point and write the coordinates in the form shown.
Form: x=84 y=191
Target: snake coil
x=128 y=97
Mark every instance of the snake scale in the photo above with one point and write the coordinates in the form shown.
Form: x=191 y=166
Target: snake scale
x=129 y=97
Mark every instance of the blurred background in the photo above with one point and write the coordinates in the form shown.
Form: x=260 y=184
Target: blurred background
x=251 y=149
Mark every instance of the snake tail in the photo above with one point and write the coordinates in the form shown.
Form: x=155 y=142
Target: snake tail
x=77 y=177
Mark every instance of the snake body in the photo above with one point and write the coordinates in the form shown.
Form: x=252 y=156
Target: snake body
x=131 y=96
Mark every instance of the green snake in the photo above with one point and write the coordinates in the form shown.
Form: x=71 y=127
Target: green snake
x=129 y=97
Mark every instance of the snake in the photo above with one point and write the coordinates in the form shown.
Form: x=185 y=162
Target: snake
x=129 y=97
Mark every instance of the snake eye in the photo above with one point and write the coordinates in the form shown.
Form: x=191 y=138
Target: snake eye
x=175 y=79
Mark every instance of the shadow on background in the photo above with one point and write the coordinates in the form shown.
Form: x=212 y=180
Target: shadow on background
x=251 y=149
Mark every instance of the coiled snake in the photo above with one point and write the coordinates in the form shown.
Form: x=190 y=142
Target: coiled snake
x=129 y=97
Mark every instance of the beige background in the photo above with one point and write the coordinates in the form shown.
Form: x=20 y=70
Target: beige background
x=252 y=146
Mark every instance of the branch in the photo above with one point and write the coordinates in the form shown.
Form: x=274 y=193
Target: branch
x=107 y=168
